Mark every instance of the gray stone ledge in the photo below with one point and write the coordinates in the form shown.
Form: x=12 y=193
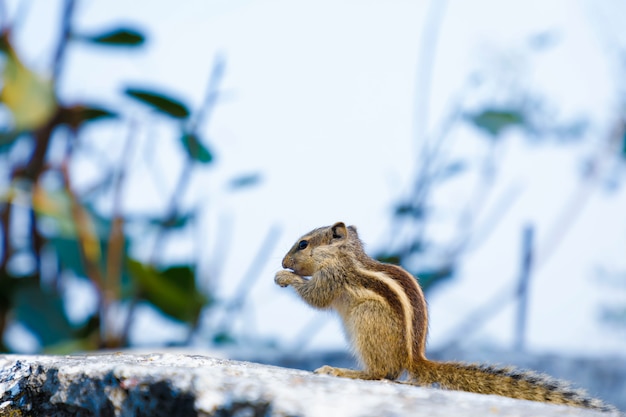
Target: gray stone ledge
x=167 y=384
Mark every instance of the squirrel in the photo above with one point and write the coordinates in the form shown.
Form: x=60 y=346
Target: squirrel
x=385 y=317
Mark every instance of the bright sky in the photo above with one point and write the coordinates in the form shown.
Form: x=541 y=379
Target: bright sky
x=321 y=98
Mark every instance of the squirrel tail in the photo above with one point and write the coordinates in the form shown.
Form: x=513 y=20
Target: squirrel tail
x=505 y=381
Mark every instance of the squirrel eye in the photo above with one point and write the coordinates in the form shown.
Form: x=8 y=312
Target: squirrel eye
x=303 y=244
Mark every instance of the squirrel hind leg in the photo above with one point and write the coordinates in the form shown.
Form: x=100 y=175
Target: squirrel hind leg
x=347 y=373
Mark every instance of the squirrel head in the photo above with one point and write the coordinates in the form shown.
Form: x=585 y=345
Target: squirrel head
x=310 y=252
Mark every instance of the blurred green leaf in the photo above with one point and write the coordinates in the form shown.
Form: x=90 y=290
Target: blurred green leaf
x=223 y=338
x=391 y=258
x=8 y=285
x=77 y=115
x=5 y=44
x=195 y=149
x=495 y=121
x=177 y=222
x=159 y=102
x=172 y=291
x=28 y=95
x=91 y=113
x=429 y=278
x=244 y=181
x=7 y=139
x=114 y=37
x=182 y=276
x=41 y=311
x=95 y=113
x=408 y=209
x=67 y=252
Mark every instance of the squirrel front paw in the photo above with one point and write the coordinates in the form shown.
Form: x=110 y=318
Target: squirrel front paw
x=284 y=278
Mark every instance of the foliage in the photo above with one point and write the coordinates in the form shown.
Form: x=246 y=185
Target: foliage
x=501 y=114
x=115 y=37
x=496 y=121
x=59 y=223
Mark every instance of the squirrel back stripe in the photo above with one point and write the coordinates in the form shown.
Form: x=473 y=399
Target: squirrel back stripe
x=417 y=303
x=396 y=296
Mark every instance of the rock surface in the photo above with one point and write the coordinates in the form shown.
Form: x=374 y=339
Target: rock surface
x=600 y=377
x=167 y=384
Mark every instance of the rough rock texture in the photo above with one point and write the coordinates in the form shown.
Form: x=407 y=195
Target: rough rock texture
x=169 y=384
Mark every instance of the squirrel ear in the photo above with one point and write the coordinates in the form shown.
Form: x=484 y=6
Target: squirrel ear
x=339 y=230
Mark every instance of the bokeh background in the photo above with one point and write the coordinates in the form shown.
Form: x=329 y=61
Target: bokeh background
x=159 y=158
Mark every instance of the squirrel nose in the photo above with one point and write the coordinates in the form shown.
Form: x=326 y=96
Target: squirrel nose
x=286 y=262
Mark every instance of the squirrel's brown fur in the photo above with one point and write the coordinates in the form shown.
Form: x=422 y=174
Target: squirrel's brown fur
x=385 y=317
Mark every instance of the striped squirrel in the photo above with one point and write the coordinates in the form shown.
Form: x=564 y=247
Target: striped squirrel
x=385 y=318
